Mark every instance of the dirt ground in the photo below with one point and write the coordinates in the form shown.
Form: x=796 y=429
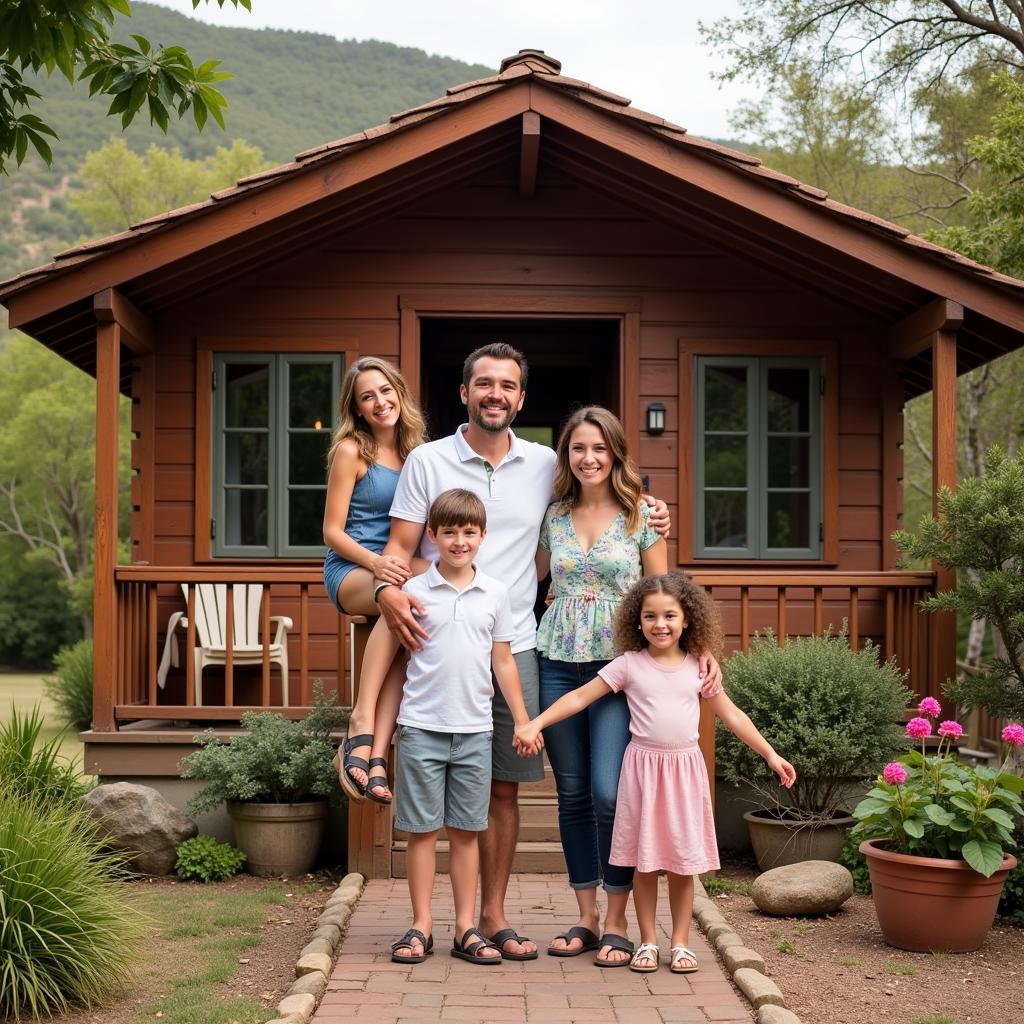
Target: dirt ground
x=264 y=973
x=838 y=970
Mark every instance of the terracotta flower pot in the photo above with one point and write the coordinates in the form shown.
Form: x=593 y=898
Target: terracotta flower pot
x=279 y=839
x=927 y=903
x=780 y=841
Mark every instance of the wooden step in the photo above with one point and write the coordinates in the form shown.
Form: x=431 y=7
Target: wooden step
x=538 y=821
x=534 y=858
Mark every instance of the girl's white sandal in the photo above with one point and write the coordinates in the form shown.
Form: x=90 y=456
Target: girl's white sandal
x=683 y=953
x=645 y=951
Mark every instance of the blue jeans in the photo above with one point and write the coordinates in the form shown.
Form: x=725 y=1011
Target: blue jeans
x=586 y=752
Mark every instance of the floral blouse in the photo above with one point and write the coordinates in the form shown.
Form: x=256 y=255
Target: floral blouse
x=588 y=587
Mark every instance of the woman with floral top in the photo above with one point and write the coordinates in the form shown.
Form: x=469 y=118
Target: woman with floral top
x=597 y=542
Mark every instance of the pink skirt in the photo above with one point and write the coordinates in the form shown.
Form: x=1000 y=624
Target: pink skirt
x=664 y=820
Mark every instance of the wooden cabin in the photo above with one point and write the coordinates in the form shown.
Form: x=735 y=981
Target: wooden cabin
x=757 y=338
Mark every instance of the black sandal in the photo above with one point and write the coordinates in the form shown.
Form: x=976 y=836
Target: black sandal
x=614 y=941
x=589 y=939
x=377 y=781
x=471 y=950
x=405 y=942
x=509 y=935
x=344 y=760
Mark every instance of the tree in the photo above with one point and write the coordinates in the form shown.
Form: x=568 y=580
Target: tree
x=73 y=36
x=123 y=187
x=894 y=43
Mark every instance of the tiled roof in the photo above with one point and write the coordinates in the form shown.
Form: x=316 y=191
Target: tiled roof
x=544 y=70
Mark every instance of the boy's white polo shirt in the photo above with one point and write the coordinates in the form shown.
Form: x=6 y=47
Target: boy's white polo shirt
x=448 y=684
x=516 y=494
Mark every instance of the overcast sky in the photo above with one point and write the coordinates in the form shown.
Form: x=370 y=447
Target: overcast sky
x=648 y=50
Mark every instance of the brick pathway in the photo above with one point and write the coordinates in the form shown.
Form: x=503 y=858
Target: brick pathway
x=365 y=984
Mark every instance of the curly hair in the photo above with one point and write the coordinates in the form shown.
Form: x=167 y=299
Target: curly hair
x=703 y=632
x=411 y=429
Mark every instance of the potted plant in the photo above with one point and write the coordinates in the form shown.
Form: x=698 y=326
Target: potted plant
x=834 y=713
x=935 y=834
x=276 y=779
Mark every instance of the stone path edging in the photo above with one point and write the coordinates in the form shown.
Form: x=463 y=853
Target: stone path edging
x=316 y=959
x=746 y=966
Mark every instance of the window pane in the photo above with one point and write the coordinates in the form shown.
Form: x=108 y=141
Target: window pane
x=725 y=461
x=310 y=395
x=725 y=398
x=789 y=400
x=725 y=519
x=247 y=402
x=246 y=515
x=246 y=458
x=789 y=520
x=789 y=461
x=306 y=517
x=307 y=457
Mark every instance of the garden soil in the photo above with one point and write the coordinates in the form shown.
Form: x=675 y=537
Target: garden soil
x=837 y=969
x=270 y=967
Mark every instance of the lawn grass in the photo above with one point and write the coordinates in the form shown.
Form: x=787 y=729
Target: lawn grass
x=24 y=690
x=201 y=933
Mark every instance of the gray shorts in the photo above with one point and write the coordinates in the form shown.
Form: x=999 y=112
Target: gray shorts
x=506 y=764
x=442 y=778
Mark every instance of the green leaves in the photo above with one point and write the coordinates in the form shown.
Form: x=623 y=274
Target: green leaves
x=985 y=857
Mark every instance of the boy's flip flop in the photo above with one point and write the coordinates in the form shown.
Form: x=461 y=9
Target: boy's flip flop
x=614 y=941
x=589 y=939
x=470 y=951
x=683 y=953
x=405 y=942
x=377 y=781
x=344 y=760
x=509 y=935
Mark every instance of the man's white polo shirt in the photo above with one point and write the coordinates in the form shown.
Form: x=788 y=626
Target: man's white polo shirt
x=448 y=684
x=516 y=494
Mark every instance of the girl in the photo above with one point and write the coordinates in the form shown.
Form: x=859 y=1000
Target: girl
x=663 y=819
x=597 y=540
x=378 y=425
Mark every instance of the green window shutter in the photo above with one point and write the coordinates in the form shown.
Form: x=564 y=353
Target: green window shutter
x=757 y=465
x=273 y=418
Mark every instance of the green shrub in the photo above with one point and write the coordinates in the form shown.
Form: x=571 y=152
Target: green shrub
x=834 y=713
x=70 y=688
x=41 y=774
x=855 y=862
x=274 y=761
x=69 y=932
x=203 y=859
x=1011 y=900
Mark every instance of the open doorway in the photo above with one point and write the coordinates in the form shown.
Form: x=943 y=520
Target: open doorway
x=572 y=362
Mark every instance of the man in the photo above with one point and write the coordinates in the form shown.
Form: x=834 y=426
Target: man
x=513 y=477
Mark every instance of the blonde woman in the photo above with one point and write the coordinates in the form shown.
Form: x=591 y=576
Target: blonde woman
x=378 y=425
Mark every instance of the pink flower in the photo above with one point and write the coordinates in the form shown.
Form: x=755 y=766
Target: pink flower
x=894 y=773
x=930 y=707
x=919 y=728
x=954 y=730
x=1014 y=734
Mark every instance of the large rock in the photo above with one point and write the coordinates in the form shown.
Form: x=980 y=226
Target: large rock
x=141 y=824
x=811 y=887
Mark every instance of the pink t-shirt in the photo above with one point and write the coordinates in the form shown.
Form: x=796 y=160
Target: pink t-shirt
x=664 y=702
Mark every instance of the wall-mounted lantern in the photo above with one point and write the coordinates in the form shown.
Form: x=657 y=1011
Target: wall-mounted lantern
x=655 y=418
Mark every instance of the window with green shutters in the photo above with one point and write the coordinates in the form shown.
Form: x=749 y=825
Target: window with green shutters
x=758 y=459
x=273 y=417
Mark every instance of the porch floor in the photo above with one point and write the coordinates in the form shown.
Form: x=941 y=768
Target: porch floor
x=365 y=984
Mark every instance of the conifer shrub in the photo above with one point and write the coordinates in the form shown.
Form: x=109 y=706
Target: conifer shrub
x=70 y=687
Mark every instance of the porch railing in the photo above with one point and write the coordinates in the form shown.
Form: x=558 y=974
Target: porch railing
x=879 y=605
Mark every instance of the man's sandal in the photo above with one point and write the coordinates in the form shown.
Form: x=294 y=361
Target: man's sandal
x=377 y=781
x=405 y=942
x=614 y=941
x=683 y=953
x=509 y=935
x=466 y=950
x=589 y=939
x=344 y=761
x=645 y=951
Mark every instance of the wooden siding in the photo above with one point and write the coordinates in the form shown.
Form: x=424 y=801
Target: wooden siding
x=569 y=240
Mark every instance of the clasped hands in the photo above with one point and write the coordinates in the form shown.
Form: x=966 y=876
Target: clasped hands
x=528 y=739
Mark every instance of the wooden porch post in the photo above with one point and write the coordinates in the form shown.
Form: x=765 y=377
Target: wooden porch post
x=943 y=625
x=104 y=603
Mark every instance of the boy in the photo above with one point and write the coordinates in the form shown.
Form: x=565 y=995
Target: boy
x=443 y=767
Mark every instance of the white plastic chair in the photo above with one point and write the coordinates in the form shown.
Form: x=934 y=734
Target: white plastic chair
x=211 y=628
